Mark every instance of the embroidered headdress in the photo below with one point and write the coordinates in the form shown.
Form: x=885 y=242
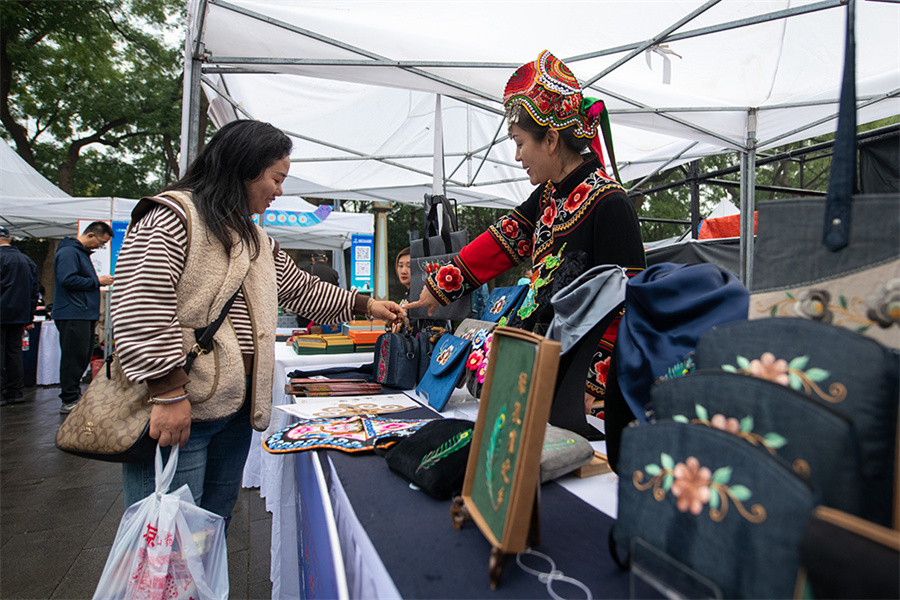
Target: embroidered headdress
x=548 y=90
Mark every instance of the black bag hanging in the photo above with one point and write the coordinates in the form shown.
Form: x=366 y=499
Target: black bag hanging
x=437 y=247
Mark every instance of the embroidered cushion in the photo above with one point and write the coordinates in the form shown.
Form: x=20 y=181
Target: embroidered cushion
x=563 y=452
x=713 y=503
x=434 y=458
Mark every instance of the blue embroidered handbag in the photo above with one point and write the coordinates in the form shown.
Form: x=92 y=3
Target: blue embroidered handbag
x=817 y=442
x=703 y=499
x=503 y=301
x=397 y=360
x=445 y=371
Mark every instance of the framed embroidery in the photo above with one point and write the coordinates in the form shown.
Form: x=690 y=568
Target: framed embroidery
x=504 y=462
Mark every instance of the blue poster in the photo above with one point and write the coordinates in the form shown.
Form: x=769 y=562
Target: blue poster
x=115 y=244
x=362 y=262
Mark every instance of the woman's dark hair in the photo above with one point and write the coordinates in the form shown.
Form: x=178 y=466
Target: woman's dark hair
x=404 y=252
x=238 y=153
x=576 y=144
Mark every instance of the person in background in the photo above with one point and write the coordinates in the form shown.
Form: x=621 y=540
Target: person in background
x=19 y=293
x=76 y=306
x=322 y=270
x=576 y=218
x=401 y=267
x=175 y=275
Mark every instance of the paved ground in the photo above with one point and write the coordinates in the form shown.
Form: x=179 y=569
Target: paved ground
x=59 y=513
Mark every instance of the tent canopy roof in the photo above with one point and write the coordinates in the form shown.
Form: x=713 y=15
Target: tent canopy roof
x=354 y=83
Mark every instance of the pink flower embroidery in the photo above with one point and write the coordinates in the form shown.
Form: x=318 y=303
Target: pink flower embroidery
x=766 y=367
x=691 y=485
x=731 y=425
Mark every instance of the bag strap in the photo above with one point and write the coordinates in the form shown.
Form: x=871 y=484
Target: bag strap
x=842 y=183
x=448 y=225
x=205 y=335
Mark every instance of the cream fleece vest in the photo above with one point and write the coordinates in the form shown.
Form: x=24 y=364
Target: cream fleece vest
x=209 y=279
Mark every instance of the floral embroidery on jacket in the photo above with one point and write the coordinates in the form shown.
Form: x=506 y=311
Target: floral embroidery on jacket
x=694 y=486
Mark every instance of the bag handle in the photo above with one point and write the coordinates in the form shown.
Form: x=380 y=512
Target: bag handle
x=448 y=225
x=842 y=182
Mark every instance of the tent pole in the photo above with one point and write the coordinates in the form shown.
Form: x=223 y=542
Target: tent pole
x=190 y=103
x=748 y=199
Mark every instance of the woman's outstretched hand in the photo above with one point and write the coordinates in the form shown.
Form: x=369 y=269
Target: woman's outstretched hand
x=386 y=310
x=427 y=300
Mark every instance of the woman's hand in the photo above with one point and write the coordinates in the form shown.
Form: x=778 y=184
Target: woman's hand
x=385 y=310
x=170 y=424
x=427 y=299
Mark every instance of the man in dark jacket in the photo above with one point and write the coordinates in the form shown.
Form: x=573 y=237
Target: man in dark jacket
x=321 y=269
x=18 y=298
x=76 y=306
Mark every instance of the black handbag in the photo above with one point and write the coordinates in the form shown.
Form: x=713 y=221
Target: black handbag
x=397 y=360
x=435 y=250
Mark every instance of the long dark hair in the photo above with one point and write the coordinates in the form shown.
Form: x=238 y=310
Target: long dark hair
x=238 y=153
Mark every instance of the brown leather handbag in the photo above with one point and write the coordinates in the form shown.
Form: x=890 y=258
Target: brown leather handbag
x=111 y=421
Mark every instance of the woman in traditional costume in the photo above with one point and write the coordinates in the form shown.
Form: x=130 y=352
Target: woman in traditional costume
x=577 y=217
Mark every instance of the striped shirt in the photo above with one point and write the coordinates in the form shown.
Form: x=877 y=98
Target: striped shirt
x=146 y=328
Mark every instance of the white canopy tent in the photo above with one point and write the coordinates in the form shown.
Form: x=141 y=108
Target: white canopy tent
x=355 y=83
x=31 y=206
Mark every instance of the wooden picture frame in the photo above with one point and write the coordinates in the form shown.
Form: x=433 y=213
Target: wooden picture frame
x=503 y=471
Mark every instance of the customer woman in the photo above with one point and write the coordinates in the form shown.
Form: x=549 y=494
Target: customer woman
x=401 y=266
x=576 y=218
x=188 y=251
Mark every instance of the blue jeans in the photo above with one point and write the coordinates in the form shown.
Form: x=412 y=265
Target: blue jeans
x=211 y=463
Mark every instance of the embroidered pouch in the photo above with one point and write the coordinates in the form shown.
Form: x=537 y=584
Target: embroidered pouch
x=480 y=333
x=818 y=443
x=397 y=360
x=563 y=452
x=842 y=369
x=445 y=371
x=503 y=301
x=356 y=433
x=714 y=504
x=434 y=458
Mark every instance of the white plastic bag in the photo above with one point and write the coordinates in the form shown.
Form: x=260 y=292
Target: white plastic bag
x=167 y=548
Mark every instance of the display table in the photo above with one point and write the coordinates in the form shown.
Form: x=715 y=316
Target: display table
x=356 y=558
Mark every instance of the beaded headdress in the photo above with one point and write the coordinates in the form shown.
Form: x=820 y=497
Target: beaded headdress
x=548 y=90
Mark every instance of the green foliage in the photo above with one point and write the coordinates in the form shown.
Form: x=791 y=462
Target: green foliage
x=92 y=74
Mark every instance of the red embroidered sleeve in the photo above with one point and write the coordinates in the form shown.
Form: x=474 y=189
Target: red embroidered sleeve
x=504 y=245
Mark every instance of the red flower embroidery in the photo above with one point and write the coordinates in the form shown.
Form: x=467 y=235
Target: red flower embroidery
x=577 y=197
x=602 y=370
x=549 y=215
x=510 y=228
x=449 y=278
x=524 y=248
